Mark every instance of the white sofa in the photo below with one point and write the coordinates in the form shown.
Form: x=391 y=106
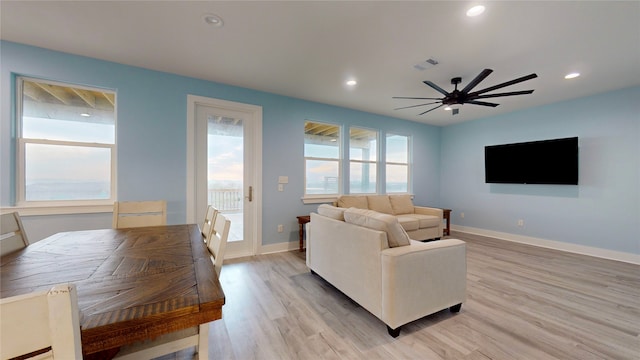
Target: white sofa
x=420 y=222
x=396 y=284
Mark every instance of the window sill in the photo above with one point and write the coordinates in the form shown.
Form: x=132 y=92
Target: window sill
x=58 y=210
x=334 y=198
x=319 y=200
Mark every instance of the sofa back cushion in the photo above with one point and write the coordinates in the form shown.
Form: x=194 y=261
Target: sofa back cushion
x=396 y=236
x=380 y=203
x=331 y=211
x=349 y=201
x=401 y=204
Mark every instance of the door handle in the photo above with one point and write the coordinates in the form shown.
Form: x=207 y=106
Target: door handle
x=250 y=193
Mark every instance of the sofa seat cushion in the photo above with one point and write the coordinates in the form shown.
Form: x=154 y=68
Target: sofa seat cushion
x=396 y=235
x=401 y=204
x=331 y=211
x=380 y=203
x=424 y=221
x=408 y=223
x=355 y=201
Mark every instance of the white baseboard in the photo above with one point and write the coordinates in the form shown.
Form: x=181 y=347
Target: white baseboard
x=551 y=244
x=279 y=247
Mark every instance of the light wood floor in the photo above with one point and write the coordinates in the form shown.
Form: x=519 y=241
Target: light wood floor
x=523 y=302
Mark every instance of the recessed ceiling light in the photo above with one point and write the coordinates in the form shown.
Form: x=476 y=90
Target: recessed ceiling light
x=351 y=82
x=475 y=11
x=85 y=114
x=572 y=75
x=213 y=20
x=447 y=108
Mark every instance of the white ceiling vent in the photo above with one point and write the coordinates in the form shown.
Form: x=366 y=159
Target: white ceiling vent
x=426 y=64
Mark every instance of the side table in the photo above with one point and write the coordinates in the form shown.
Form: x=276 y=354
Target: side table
x=301 y=221
x=446 y=214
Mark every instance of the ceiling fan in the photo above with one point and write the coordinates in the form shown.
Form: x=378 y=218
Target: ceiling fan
x=464 y=96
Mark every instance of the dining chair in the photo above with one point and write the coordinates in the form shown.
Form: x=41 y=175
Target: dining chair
x=194 y=336
x=44 y=323
x=207 y=225
x=218 y=241
x=12 y=234
x=128 y=214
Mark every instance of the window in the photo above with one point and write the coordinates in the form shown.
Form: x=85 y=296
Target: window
x=322 y=158
x=363 y=155
x=397 y=163
x=66 y=143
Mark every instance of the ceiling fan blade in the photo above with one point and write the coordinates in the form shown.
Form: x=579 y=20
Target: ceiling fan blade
x=414 y=98
x=436 y=87
x=512 y=82
x=525 y=92
x=483 y=103
x=476 y=81
x=412 y=106
x=441 y=105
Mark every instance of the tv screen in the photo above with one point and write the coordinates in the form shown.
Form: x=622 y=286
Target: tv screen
x=536 y=162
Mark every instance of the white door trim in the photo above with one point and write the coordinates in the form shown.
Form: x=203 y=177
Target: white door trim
x=255 y=112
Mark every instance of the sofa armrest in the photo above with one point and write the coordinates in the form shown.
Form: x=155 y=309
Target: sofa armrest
x=348 y=256
x=421 y=279
x=428 y=211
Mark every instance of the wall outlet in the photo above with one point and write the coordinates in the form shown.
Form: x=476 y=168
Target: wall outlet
x=462 y=215
x=520 y=223
x=280 y=228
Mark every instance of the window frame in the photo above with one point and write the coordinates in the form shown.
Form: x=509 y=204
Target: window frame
x=312 y=198
x=375 y=162
x=59 y=206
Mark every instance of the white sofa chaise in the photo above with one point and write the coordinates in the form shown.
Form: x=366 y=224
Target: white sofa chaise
x=396 y=284
x=420 y=222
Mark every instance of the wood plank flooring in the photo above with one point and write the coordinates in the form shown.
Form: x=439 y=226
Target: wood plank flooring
x=523 y=302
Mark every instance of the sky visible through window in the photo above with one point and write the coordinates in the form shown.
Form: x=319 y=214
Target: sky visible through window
x=67 y=172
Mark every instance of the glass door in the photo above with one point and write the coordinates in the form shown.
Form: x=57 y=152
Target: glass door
x=224 y=172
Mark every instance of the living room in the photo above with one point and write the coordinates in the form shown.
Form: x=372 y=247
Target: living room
x=599 y=216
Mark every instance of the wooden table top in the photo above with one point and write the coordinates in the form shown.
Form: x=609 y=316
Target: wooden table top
x=132 y=284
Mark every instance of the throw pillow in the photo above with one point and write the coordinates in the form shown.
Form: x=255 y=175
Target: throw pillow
x=380 y=203
x=401 y=204
x=331 y=211
x=348 y=201
x=396 y=236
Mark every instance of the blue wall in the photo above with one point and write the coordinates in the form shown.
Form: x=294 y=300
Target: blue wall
x=602 y=211
x=151 y=135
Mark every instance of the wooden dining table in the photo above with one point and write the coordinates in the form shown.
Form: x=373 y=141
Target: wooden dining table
x=133 y=284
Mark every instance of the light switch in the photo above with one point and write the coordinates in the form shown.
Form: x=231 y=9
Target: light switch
x=280 y=187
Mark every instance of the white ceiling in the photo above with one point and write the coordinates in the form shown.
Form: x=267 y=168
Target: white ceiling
x=307 y=49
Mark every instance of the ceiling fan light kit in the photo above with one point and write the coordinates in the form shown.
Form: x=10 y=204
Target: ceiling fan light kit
x=465 y=96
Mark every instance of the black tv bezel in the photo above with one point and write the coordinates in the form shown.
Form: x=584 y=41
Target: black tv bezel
x=522 y=176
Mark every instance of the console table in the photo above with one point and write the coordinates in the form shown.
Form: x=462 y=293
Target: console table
x=446 y=214
x=301 y=221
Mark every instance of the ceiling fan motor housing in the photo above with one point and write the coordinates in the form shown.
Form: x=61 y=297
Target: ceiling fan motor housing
x=455 y=97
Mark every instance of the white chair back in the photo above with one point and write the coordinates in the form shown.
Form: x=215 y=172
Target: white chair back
x=128 y=214
x=45 y=322
x=12 y=235
x=218 y=241
x=207 y=225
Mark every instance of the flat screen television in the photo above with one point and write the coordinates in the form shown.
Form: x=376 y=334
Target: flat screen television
x=537 y=162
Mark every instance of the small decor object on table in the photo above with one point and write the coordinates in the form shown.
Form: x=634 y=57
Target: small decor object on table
x=301 y=221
